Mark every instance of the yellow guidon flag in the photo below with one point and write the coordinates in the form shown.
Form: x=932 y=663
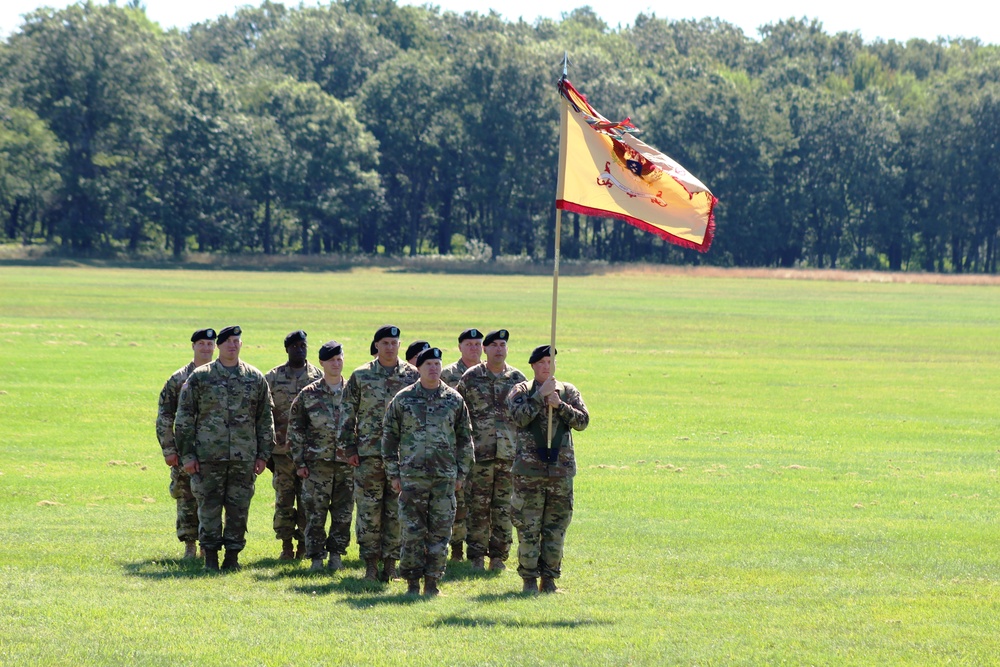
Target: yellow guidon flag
x=604 y=171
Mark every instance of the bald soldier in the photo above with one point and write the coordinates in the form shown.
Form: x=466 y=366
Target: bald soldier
x=543 y=471
x=203 y=346
x=224 y=432
x=485 y=387
x=470 y=347
x=285 y=382
x=427 y=447
x=324 y=462
x=368 y=392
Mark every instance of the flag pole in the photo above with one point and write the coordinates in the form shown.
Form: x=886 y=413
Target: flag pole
x=563 y=120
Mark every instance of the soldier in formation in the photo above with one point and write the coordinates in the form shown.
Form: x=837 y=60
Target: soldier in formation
x=543 y=470
x=368 y=392
x=224 y=432
x=427 y=448
x=324 y=461
x=485 y=387
x=203 y=346
x=285 y=382
x=470 y=348
x=415 y=348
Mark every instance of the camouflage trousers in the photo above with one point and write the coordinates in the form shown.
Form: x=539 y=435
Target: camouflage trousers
x=229 y=486
x=329 y=489
x=377 y=524
x=426 y=515
x=289 y=514
x=488 y=523
x=542 y=508
x=458 y=531
x=187 y=506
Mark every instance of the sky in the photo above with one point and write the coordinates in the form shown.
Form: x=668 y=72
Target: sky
x=873 y=19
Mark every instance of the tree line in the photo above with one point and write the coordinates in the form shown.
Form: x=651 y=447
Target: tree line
x=366 y=127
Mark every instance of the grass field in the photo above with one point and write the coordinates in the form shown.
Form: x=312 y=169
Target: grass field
x=776 y=472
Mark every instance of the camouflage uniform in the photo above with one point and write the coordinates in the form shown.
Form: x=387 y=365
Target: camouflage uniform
x=427 y=445
x=542 y=502
x=450 y=375
x=224 y=423
x=315 y=439
x=180 y=481
x=368 y=392
x=489 y=524
x=285 y=383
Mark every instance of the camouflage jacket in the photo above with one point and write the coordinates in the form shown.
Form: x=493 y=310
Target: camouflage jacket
x=452 y=373
x=285 y=384
x=168 y=408
x=427 y=434
x=527 y=409
x=368 y=392
x=224 y=415
x=486 y=395
x=316 y=425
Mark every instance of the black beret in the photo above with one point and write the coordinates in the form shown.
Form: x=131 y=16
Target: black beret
x=500 y=334
x=329 y=350
x=470 y=333
x=373 y=350
x=429 y=353
x=295 y=337
x=227 y=332
x=539 y=353
x=203 y=334
x=387 y=331
x=416 y=347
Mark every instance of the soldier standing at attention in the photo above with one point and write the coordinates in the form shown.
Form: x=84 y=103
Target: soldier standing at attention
x=543 y=471
x=368 y=392
x=427 y=447
x=470 y=346
x=285 y=382
x=485 y=387
x=224 y=431
x=203 y=345
x=323 y=462
x=415 y=348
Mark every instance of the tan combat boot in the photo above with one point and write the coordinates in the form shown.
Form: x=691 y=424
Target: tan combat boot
x=413 y=586
x=301 y=551
x=190 y=549
x=431 y=587
x=497 y=564
x=549 y=585
x=530 y=585
x=456 y=551
x=317 y=565
x=478 y=563
x=334 y=563
x=389 y=570
x=371 y=568
x=287 y=550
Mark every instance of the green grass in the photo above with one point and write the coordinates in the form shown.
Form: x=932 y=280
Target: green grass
x=775 y=472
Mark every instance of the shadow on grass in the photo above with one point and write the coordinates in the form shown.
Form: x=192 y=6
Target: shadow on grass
x=456 y=621
x=168 y=568
x=273 y=569
x=457 y=571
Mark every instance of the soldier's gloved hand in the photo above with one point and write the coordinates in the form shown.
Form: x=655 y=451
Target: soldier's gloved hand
x=303 y=472
x=258 y=466
x=192 y=467
x=172 y=460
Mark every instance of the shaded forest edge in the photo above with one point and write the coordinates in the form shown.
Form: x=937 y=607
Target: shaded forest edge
x=37 y=257
x=363 y=133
